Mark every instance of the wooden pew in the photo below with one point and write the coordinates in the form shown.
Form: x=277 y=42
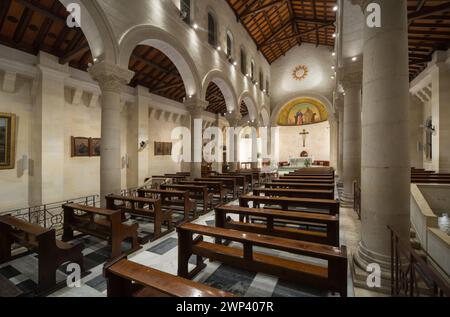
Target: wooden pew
x=173 y=199
x=429 y=180
x=333 y=278
x=241 y=181
x=297 y=193
x=143 y=207
x=302 y=180
x=129 y=279
x=314 y=186
x=229 y=183
x=199 y=193
x=327 y=177
x=217 y=188
x=272 y=220
x=52 y=253
x=102 y=223
x=332 y=206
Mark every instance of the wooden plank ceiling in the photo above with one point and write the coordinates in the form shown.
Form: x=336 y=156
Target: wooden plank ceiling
x=275 y=25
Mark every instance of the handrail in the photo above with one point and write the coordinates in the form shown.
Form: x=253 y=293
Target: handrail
x=408 y=269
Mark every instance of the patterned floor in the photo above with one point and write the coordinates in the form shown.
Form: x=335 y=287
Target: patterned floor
x=162 y=254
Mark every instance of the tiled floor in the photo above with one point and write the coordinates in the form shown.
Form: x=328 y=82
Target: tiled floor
x=162 y=254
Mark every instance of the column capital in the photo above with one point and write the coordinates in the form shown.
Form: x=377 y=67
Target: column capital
x=110 y=77
x=233 y=118
x=362 y=3
x=195 y=106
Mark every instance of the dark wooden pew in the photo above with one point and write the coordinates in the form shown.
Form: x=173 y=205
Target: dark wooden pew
x=199 y=193
x=303 y=180
x=297 y=193
x=216 y=187
x=229 y=183
x=333 y=277
x=429 y=180
x=329 y=178
x=129 y=279
x=173 y=199
x=143 y=207
x=102 y=223
x=312 y=186
x=241 y=181
x=52 y=253
x=323 y=229
x=332 y=206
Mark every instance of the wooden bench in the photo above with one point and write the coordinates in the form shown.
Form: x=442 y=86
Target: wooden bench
x=229 y=183
x=101 y=223
x=129 y=279
x=293 y=175
x=248 y=177
x=332 y=206
x=241 y=181
x=304 y=180
x=52 y=253
x=323 y=229
x=313 y=186
x=333 y=277
x=199 y=193
x=173 y=199
x=143 y=207
x=215 y=187
x=297 y=193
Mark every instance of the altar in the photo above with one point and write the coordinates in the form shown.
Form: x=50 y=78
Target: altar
x=300 y=162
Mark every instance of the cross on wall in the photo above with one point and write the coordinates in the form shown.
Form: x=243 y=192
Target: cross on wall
x=304 y=134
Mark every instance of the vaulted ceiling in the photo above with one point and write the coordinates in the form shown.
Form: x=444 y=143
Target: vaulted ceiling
x=276 y=26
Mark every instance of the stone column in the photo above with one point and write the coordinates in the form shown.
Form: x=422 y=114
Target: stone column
x=385 y=135
x=217 y=166
x=112 y=80
x=340 y=109
x=334 y=139
x=352 y=82
x=234 y=118
x=255 y=127
x=196 y=107
x=441 y=111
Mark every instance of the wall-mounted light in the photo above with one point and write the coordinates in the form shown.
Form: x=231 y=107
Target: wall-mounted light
x=354 y=59
x=143 y=145
x=195 y=26
x=335 y=8
x=219 y=48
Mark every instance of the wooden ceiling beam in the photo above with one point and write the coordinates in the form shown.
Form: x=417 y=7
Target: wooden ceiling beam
x=74 y=53
x=41 y=10
x=427 y=11
x=154 y=65
x=262 y=8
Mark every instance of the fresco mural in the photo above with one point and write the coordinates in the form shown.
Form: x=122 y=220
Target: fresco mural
x=302 y=112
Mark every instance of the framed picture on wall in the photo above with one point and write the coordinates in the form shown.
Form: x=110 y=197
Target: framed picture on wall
x=7 y=140
x=95 y=146
x=158 y=148
x=167 y=148
x=80 y=147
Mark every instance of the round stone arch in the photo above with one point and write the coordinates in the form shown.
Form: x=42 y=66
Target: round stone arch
x=320 y=98
x=251 y=105
x=167 y=44
x=225 y=86
x=97 y=30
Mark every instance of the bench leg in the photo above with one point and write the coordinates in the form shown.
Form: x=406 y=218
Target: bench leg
x=5 y=242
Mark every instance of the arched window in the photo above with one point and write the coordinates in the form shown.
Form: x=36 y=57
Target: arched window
x=229 y=45
x=261 y=80
x=185 y=8
x=243 y=62
x=212 y=30
x=252 y=70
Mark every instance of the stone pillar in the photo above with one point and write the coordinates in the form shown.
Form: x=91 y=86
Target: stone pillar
x=196 y=107
x=138 y=131
x=441 y=111
x=48 y=137
x=352 y=82
x=416 y=132
x=217 y=166
x=234 y=118
x=334 y=139
x=112 y=80
x=340 y=168
x=385 y=135
x=255 y=127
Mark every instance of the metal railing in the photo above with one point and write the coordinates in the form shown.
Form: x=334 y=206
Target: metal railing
x=411 y=275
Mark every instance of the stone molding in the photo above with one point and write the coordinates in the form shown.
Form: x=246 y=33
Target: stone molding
x=195 y=106
x=234 y=118
x=110 y=77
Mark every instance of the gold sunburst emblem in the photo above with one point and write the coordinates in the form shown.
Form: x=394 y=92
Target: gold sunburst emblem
x=300 y=72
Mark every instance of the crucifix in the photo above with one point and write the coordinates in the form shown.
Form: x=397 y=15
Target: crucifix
x=304 y=134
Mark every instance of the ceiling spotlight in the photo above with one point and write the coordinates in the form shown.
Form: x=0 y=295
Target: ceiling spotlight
x=354 y=59
x=333 y=67
x=219 y=48
x=334 y=35
x=95 y=60
x=195 y=26
x=235 y=63
x=332 y=77
x=335 y=8
x=333 y=54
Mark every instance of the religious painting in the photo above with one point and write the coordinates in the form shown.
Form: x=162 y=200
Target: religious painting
x=158 y=148
x=7 y=140
x=167 y=148
x=80 y=147
x=95 y=146
x=300 y=72
x=302 y=112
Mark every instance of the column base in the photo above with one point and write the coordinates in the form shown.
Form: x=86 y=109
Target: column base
x=347 y=200
x=363 y=257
